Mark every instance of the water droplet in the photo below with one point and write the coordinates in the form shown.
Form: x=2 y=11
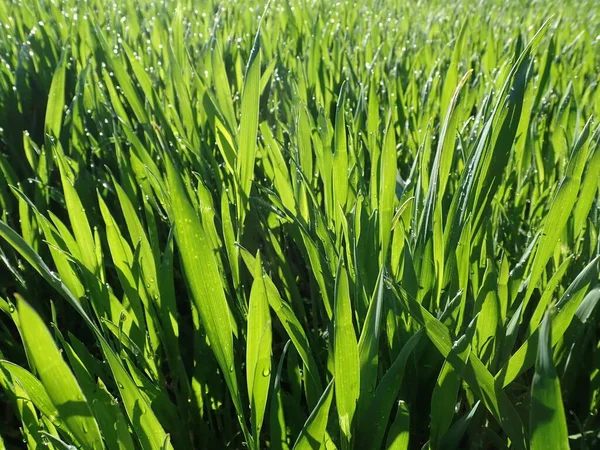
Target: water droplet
x=266 y=371
x=120 y=385
x=231 y=368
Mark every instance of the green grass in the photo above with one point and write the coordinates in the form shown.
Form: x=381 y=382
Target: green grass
x=309 y=225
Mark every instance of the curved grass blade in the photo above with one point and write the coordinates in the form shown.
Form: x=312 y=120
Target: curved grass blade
x=562 y=205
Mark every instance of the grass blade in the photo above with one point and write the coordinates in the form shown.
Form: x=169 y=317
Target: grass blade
x=346 y=362
x=58 y=380
x=547 y=422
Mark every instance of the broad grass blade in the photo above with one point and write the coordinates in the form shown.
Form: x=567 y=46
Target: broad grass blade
x=58 y=380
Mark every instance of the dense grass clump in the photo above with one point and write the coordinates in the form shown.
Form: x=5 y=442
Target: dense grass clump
x=310 y=224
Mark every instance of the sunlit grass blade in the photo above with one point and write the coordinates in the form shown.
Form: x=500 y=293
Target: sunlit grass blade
x=58 y=380
x=387 y=189
x=56 y=97
x=36 y=392
x=567 y=306
x=258 y=351
x=346 y=361
x=313 y=432
x=248 y=129
x=340 y=154
x=222 y=86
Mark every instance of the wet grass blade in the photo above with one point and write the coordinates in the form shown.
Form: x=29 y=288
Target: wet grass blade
x=258 y=351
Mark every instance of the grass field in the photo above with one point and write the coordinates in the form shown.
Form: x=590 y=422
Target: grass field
x=316 y=225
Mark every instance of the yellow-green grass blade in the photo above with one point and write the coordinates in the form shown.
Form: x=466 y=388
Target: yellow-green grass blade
x=148 y=429
x=124 y=79
x=445 y=392
x=222 y=89
x=367 y=347
x=248 y=130
x=36 y=392
x=372 y=127
x=56 y=97
x=346 y=361
x=57 y=378
x=258 y=351
x=340 y=155
x=387 y=189
x=291 y=324
x=588 y=190
x=79 y=221
x=25 y=410
x=146 y=424
x=451 y=77
x=313 y=432
x=111 y=420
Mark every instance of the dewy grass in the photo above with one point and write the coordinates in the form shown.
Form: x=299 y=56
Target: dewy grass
x=301 y=225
